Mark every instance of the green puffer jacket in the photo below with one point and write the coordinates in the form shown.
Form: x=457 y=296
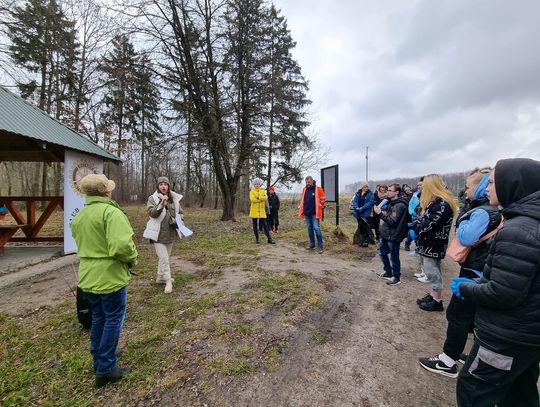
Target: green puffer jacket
x=105 y=245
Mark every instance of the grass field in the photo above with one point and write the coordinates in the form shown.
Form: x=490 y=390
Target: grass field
x=44 y=357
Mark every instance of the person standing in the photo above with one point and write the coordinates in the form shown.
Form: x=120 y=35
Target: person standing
x=432 y=229
x=362 y=211
x=502 y=366
x=473 y=229
x=393 y=230
x=161 y=229
x=273 y=202
x=380 y=193
x=311 y=207
x=105 y=246
x=257 y=210
x=414 y=209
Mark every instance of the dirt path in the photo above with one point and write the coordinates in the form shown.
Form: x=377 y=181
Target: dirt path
x=361 y=349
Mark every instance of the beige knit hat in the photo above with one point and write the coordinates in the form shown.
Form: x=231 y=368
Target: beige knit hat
x=95 y=184
x=163 y=179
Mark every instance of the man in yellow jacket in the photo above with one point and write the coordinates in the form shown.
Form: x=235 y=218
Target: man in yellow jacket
x=257 y=210
x=106 y=250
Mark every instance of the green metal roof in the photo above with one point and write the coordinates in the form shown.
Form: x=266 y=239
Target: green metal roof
x=20 y=117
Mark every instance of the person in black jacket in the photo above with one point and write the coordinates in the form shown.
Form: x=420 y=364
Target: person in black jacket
x=432 y=228
x=392 y=230
x=502 y=367
x=273 y=202
x=479 y=220
x=379 y=194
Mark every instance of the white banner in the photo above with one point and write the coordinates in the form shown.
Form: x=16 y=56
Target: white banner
x=76 y=166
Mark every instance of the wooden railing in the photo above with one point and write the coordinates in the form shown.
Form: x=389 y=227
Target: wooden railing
x=29 y=226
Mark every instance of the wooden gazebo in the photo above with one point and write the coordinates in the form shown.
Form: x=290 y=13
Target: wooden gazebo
x=30 y=134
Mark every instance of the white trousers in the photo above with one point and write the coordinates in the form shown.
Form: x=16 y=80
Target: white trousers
x=163 y=252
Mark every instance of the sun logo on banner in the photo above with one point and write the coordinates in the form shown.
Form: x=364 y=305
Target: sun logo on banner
x=79 y=170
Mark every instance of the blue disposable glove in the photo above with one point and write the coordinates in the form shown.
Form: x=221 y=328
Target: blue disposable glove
x=457 y=281
x=412 y=234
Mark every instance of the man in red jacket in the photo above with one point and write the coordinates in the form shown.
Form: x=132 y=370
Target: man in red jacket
x=311 y=208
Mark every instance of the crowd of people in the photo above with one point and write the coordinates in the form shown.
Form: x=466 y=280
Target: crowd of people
x=496 y=242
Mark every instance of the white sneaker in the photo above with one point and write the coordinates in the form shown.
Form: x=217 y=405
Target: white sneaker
x=168 y=287
x=417 y=275
x=423 y=279
x=163 y=281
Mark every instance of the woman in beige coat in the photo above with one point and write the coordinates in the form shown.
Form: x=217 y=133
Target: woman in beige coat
x=162 y=230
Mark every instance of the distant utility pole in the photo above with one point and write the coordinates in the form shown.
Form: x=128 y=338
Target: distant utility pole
x=367 y=178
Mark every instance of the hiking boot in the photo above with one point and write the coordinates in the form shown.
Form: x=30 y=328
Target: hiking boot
x=320 y=250
x=423 y=279
x=425 y=298
x=393 y=281
x=310 y=247
x=271 y=241
x=431 y=305
x=435 y=365
x=463 y=358
x=386 y=275
x=116 y=375
x=257 y=241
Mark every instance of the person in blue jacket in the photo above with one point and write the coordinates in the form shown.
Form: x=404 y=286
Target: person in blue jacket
x=479 y=219
x=414 y=208
x=362 y=206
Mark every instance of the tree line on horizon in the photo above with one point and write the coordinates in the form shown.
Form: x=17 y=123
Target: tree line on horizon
x=204 y=91
x=455 y=182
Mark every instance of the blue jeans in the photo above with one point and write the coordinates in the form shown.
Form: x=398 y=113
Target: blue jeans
x=387 y=246
x=314 y=229
x=260 y=222
x=108 y=313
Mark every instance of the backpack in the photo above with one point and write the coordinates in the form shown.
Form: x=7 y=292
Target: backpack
x=84 y=313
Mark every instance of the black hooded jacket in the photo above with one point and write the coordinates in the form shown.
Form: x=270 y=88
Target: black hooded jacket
x=508 y=297
x=433 y=229
x=394 y=227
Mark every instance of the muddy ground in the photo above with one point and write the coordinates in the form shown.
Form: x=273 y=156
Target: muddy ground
x=360 y=348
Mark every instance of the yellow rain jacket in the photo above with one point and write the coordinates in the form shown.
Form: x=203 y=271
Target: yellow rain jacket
x=258 y=197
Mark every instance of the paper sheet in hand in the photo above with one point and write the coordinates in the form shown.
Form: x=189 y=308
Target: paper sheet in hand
x=182 y=228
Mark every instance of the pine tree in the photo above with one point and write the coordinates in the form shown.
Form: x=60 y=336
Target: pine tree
x=146 y=106
x=43 y=42
x=286 y=103
x=120 y=68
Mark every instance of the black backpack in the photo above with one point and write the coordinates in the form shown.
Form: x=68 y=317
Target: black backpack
x=84 y=313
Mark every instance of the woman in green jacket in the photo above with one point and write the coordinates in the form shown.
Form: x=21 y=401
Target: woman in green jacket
x=106 y=250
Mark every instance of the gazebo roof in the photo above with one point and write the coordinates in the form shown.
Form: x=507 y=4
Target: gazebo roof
x=30 y=134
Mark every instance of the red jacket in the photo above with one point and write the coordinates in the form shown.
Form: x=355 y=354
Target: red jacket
x=320 y=202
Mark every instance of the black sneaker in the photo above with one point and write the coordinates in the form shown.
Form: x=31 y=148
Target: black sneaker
x=425 y=298
x=115 y=376
x=386 y=275
x=435 y=365
x=393 y=281
x=462 y=358
x=431 y=305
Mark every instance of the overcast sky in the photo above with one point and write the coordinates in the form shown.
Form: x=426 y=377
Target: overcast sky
x=431 y=86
